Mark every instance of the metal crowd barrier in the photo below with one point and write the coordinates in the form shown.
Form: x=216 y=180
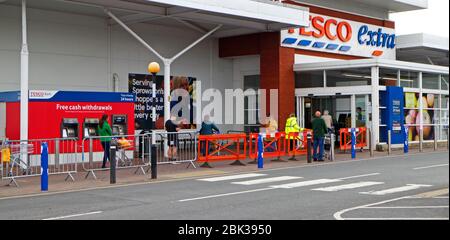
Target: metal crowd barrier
x=133 y=152
x=274 y=145
x=346 y=136
x=222 y=147
x=176 y=148
x=22 y=158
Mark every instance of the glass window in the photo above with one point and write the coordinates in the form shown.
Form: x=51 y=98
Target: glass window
x=444 y=82
x=312 y=79
x=349 y=77
x=388 y=77
x=430 y=81
x=251 y=106
x=409 y=79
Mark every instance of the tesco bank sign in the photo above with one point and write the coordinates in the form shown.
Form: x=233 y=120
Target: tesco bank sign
x=335 y=35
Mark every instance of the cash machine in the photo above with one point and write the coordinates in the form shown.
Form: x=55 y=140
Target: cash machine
x=119 y=125
x=69 y=128
x=90 y=127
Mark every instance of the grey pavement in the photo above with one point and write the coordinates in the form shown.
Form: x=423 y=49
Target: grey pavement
x=297 y=192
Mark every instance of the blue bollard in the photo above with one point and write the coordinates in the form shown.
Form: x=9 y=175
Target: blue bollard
x=406 y=146
x=260 y=152
x=353 y=131
x=44 y=167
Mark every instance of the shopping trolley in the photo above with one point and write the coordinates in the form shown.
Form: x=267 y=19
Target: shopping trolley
x=329 y=146
x=15 y=164
x=124 y=145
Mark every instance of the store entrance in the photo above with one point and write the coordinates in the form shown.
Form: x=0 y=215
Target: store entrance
x=347 y=111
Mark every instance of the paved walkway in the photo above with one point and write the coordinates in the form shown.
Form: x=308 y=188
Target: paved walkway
x=168 y=172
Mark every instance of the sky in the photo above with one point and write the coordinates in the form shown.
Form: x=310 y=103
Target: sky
x=434 y=20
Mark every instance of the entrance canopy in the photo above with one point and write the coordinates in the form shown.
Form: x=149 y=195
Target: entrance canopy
x=237 y=17
x=423 y=48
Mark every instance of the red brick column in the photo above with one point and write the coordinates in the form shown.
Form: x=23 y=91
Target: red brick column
x=277 y=72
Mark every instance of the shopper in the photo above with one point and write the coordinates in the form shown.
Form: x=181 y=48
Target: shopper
x=328 y=120
x=208 y=128
x=172 y=128
x=292 y=127
x=105 y=133
x=319 y=130
x=271 y=127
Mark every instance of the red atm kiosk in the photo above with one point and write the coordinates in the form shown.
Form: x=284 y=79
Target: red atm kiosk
x=61 y=114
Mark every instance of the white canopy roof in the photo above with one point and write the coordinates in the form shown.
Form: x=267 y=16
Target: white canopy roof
x=237 y=16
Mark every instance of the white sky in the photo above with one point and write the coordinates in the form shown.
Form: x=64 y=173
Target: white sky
x=434 y=20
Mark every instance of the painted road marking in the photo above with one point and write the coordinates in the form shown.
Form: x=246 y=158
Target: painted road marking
x=408 y=187
x=306 y=183
x=74 y=215
x=433 y=166
x=225 y=194
x=348 y=186
x=394 y=219
x=434 y=194
x=232 y=177
x=360 y=176
x=407 y=207
x=267 y=180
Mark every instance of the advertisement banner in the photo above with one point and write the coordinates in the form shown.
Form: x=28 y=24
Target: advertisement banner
x=413 y=115
x=141 y=85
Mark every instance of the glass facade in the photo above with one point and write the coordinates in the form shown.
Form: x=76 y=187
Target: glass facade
x=409 y=79
x=434 y=96
x=312 y=79
x=349 y=77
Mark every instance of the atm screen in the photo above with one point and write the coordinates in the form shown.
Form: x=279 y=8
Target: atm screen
x=120 y=120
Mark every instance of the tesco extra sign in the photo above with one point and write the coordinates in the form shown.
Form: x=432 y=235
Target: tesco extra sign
x=328 y=34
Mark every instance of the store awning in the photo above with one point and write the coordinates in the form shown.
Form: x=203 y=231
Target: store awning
x=236 y=16
x=423 y=48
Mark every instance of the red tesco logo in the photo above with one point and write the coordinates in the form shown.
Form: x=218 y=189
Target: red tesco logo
x=330 y=28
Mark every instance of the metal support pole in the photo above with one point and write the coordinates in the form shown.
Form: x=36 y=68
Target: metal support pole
x=44 y=167
x=308 y=148
x=333 y=139
x=24 y=91
x=353 y=136
x=448 y=140
x=389 y=142
x=112 y=159
x=435 y=138
x=154 y=162
x=371 y=147
x=406 y=140
x=57 y=153
x=260 y=152
x=421 y=140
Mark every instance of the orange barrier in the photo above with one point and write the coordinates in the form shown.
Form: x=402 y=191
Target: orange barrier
x=274 y=145
x=299 y=145
x=223 y=147
x=345 y=142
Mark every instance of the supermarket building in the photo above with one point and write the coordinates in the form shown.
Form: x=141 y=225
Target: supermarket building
x=343 y=56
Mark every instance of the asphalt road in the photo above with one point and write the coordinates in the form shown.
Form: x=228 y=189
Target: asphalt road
x=384 y=188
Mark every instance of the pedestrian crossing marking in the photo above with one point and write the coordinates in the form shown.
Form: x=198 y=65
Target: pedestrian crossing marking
x=408 y=187
x=232 y=177
x=267 y=180
x=347 y=186
x=306 y=183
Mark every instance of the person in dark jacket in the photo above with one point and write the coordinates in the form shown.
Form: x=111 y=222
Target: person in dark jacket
x=319 y=130
x=105 y=133
x=208 y=128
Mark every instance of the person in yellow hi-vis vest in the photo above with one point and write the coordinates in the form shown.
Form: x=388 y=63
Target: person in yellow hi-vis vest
x=292 y=127
x=6 y=155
